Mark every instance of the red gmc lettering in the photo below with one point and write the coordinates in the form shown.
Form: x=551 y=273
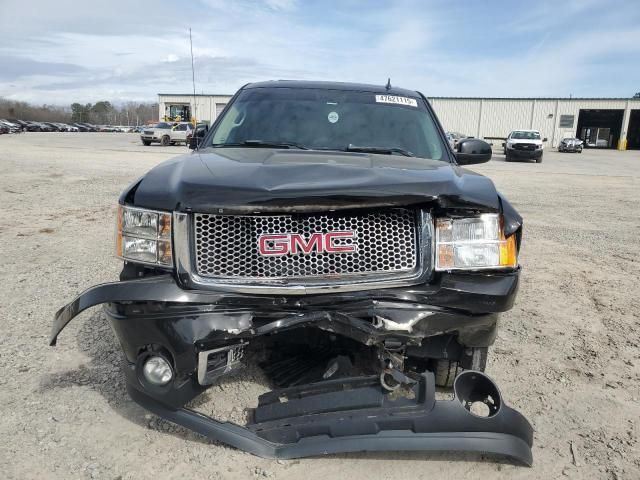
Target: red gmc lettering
x=294 y=243
x=297 y=240
x=329 y=246
x=274 y=244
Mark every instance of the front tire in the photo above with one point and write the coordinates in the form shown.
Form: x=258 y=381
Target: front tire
x=146 y=143
x=165 y=141
x=507 y=157
x=447 y=370
x=539 y=160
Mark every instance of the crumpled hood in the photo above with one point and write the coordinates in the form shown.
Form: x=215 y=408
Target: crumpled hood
x=260 y=179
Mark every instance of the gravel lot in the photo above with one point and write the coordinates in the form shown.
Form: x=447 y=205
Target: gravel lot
x=567 y=355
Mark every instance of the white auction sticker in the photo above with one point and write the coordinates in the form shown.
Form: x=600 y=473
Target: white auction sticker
x=333 y=117
x=397 y=100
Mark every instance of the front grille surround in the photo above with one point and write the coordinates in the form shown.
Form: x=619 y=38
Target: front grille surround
x=225 y=247
x=525 y=146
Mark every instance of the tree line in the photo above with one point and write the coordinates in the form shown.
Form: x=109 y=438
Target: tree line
x=99 y=113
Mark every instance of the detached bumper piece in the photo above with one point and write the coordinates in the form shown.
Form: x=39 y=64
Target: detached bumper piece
x=356 y=415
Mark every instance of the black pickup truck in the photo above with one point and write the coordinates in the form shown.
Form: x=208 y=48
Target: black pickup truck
x=329 y=233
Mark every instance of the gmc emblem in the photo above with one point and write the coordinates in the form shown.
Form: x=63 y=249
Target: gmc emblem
x=294 y=243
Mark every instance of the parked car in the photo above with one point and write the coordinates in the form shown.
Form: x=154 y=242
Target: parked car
x=52 y=127
x=69 y=127
x=4 y=128
x=35 y=127
x=571 y=144
x=11 y=126
x=89 y=127
x=455 y=137
x=327 y=230
x=166 y=133
x=450 y=139
x=81 y=127
x=524 y=144
x=45 y=127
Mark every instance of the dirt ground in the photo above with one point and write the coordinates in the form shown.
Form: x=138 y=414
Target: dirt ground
x=567 y=356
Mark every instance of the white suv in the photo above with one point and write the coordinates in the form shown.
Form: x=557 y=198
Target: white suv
x=166 y=133
x=524 y=144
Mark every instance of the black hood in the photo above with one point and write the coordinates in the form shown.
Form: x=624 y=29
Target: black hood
x=260 y=179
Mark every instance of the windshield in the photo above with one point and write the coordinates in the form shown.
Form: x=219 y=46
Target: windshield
x=526 y=135
x=323 y=119
x=162 y=125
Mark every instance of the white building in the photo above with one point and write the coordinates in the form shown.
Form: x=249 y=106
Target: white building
x=600 y=122
x=202 y=108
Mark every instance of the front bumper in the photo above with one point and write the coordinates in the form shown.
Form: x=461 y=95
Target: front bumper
x=412 y=312
x=570 y=148
x=354 y=415
x=156 y=312
x=525 y=154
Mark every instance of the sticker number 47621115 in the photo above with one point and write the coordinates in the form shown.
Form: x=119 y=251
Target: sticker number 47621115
x=397 y=100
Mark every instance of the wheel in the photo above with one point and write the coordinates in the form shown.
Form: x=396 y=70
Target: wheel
x=146 y=143
x=447 y=370
x=165 y=141
x=507 y=157
x=580 y=151
x=539 y=160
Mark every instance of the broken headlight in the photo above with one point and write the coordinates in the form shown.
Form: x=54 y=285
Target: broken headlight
x=144 y=236
x=474 y=243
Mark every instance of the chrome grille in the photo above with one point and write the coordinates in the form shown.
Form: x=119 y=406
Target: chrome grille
x=226 y=246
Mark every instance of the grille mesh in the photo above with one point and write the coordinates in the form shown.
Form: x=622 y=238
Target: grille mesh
x=227 y=246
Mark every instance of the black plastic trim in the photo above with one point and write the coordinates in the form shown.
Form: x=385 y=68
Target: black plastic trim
x=447 y=426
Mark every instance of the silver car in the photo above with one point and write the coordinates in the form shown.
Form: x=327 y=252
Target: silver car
x=570 y=145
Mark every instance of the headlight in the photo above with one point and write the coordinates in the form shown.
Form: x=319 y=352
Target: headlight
x=474 y=243
x=144 y=236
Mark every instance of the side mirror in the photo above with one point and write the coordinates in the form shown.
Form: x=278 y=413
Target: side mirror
x=196 y=138
x=544 y=139
x=471 y=151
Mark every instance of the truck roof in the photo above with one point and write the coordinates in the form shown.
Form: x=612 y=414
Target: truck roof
x=382 y=89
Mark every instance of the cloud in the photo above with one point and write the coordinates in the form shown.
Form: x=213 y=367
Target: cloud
x=281 y=4
x=14 y=68
x=124 y=50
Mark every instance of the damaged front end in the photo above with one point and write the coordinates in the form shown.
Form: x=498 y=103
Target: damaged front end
x=348 y=368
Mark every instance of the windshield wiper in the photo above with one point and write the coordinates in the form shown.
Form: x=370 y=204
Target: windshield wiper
x=262 y=144
x=383 y=150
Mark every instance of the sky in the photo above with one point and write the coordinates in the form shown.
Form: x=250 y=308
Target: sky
x=59 y=52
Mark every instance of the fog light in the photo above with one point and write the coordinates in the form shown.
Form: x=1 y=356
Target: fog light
x=157 y=371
